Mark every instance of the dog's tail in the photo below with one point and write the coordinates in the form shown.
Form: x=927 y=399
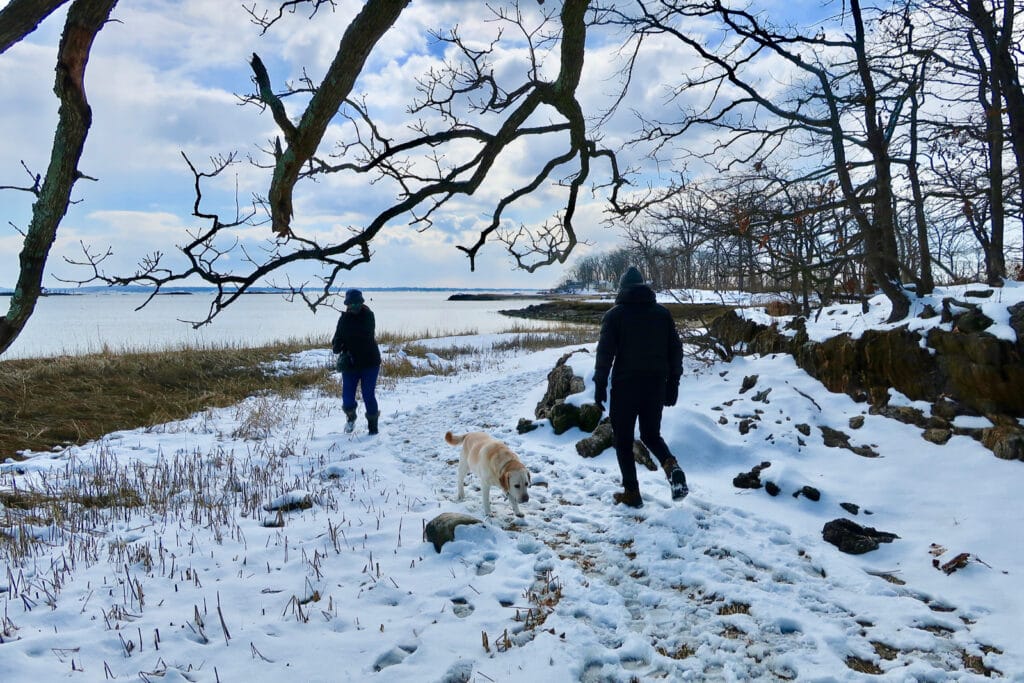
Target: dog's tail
x=452 y=439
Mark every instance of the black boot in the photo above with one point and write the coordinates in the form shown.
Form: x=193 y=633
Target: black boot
x=676 y=479
x=371 y=420
x=629 y=497
x=350 y=415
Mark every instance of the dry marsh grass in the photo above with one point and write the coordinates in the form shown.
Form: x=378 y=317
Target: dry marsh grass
x=537 y=340
x=55 y=402
x=48 y=402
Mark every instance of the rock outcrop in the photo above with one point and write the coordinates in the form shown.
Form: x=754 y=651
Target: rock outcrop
x=965 y=370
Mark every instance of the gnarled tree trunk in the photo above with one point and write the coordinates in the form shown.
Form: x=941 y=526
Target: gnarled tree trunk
x=85 y=19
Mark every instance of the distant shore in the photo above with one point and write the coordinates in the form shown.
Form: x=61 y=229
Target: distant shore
x=591 y=312
x=493 y=296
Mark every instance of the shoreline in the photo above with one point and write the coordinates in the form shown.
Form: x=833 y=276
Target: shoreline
x=591 y=312
x=491 y=296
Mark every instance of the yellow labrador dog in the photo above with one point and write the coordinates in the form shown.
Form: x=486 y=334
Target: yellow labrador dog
x=494 y=464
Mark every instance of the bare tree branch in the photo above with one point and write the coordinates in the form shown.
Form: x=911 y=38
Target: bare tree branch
x=449 y=153
x=366 y=29
x=267 y=18
x=21 y=17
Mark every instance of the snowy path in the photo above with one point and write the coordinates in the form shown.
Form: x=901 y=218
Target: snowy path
x=728 y=585
x=682 y=578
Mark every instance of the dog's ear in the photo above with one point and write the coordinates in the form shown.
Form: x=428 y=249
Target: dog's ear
x=503 y=480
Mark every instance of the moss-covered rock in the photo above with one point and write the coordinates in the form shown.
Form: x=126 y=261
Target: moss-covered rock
x=441 y=529
x=590 y=416
x=564 y=416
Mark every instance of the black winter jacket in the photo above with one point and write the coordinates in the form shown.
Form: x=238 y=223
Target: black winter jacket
x=355 y=334
x=638 y=339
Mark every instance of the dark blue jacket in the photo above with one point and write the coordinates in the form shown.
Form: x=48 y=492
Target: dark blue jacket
x=355 y=335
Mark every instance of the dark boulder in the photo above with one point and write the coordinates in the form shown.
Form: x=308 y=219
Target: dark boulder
x=1005 y=440
x=643 y=456
x=1017 y=323
x=808 y=492
x=853 y=538
x=938 y=437
x=833 y=438
x=751 y=479
x=746 y=480
x=980 y=371
x=590 y=416
x=525 y=425
x=603 y=438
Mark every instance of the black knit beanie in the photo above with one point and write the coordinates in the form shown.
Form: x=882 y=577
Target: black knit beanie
x=631 y=278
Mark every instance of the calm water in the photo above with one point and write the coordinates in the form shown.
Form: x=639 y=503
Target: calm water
x=89 y=322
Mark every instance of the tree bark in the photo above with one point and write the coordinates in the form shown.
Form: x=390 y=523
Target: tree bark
x=368 y=27
x=22 y=17
x=926 y=281
x=999 y=43
x=995 y=259
x=881 y=255
x=85 y=19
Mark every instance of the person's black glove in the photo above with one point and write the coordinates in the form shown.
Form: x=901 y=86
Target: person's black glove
x=672 y=393
x=600 y=393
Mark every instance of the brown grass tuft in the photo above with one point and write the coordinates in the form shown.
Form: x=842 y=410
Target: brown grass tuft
x=733 y=608
x=863 y=666
x=778 y=307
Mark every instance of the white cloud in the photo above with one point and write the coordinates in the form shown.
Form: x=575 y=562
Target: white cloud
x=29 y=113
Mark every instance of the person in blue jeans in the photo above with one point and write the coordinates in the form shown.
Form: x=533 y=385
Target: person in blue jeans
x=358 y=359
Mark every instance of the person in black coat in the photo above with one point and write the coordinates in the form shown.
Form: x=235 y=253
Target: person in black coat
x=358 y=359
x=641 y=350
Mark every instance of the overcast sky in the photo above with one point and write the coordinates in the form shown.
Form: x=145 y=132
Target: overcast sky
x=162 y=81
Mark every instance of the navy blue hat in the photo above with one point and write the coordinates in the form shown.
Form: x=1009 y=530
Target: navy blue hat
x=631 y=278
x=353 y=296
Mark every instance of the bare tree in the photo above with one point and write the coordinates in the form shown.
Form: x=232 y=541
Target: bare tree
x=836 y=102
x=53 y=190
x=995 y=26
x=466 y=121
x=965 y=138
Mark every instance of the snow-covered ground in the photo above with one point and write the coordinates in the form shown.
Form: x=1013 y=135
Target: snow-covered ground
x=731 y=584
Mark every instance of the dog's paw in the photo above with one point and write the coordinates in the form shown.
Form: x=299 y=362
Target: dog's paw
x=520 y=514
